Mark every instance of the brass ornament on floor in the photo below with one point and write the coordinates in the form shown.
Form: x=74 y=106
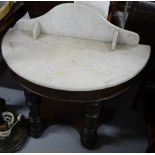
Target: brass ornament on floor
x=13 y=130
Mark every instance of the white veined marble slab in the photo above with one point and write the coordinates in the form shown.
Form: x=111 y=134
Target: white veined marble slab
x=74 y=48
x=72 y=64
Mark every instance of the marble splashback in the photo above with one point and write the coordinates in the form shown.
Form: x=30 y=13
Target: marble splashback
x=79 y=21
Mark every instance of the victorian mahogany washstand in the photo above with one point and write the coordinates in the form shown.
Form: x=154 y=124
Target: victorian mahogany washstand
x=72 y=54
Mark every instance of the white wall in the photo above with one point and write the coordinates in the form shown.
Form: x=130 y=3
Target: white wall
x=101 y=6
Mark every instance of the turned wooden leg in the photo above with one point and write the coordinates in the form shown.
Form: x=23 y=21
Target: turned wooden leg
x=35 y=124
x=89 y=134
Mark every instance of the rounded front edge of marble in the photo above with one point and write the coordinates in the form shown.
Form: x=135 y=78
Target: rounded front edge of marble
x=71 y=64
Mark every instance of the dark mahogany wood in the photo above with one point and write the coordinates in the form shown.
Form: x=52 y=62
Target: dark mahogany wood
x=83 y=107
x=89 y=133
x=73 y=96
x=35 y=123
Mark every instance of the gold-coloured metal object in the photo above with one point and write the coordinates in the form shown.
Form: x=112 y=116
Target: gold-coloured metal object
x=5 y=8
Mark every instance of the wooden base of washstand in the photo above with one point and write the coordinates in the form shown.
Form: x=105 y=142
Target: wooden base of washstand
x=84 y=117
x=80 y=109
x=16 y=140
x=53 y=111
x=73 y=114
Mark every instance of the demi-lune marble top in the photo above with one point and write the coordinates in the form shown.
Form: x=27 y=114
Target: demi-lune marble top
x=73 y=48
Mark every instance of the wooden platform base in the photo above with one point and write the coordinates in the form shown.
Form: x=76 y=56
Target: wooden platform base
x=73 y=114
x=83 y=110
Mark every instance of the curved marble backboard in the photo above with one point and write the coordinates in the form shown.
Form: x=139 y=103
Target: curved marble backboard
x=79 y=21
